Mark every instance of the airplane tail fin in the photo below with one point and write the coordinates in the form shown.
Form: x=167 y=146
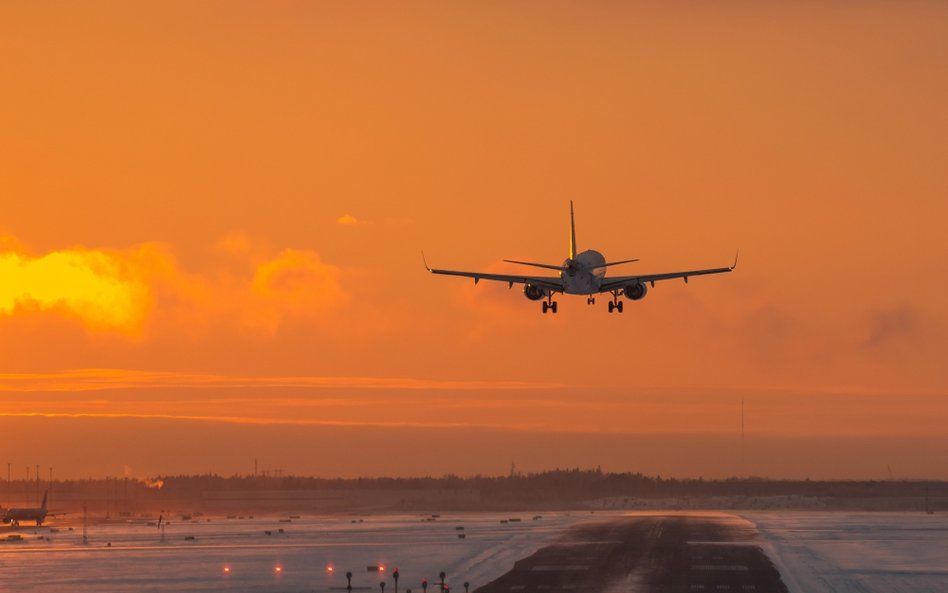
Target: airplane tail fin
x=45 y=494
x=572 y=232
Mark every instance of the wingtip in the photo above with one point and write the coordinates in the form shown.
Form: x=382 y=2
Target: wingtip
x=736 y=255
x=425 y=261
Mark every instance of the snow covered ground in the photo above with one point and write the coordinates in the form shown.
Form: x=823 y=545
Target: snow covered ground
x=816 y=552
x=822 y=552
x=234 y=555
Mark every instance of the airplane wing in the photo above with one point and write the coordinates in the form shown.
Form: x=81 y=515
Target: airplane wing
x=610 y=284
x=550 y=283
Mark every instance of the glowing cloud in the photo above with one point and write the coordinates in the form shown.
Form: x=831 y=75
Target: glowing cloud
x=347 y=219
x=295 y=282
x=126 y=291
x=234 y=244
x=102 y=289
x=95 y=379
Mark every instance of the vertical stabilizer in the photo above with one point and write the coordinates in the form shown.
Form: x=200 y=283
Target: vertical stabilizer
x=44 y=499
x=572 y=232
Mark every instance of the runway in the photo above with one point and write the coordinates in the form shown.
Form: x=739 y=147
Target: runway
x=658 y=553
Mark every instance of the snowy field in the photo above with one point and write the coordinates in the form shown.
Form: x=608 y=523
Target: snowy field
x=857 y=552
x=236 y=555
x=816 y=552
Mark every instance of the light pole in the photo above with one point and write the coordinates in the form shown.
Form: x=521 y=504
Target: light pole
x=395 y=576
x=442 y=575
x=382 y=586
x=349 y=581
x=467 y=586
x=424 y=585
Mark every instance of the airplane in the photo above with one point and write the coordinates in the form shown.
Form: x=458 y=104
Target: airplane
x=15 y=515
x=581 y=273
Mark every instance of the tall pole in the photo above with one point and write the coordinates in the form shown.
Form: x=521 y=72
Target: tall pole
x=743 y=470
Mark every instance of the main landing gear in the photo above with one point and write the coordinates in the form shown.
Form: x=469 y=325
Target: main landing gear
x=549 y=305
x=615 y=304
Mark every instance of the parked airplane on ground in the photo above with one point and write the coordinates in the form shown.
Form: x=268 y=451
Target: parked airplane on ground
x=38 y=514
x=582 y=273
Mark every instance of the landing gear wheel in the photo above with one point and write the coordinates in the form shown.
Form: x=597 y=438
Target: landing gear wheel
x=546 y=306
x=611 y=306
x=553 y=307
x=619 y=306
x=590 y=300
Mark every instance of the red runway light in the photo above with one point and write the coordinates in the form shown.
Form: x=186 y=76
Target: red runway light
x=226 y=569
x=278 y=569
x=330 y=569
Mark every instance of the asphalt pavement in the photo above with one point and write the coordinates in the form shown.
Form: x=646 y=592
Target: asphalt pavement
x=649 y=553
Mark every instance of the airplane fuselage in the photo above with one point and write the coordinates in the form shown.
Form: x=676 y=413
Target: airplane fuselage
x=38 y=514
x=14 y=516
x=584 y=273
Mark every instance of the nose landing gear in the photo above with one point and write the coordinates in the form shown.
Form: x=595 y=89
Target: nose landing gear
x=590 y=300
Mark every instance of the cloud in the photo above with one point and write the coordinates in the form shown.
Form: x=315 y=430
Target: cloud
x=128 y=292
x=234 y=244
x=106 y=290
x=891 y=325
x=295 y=283
x=94 y=379
x=348 y=219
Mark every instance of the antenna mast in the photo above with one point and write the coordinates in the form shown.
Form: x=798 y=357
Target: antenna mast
x=743 y=467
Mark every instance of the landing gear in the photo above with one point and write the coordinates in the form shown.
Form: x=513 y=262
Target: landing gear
x=615 y=304
x=549 y=305
x=590 y=300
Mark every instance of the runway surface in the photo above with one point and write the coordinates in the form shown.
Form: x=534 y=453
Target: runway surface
x=658 y=553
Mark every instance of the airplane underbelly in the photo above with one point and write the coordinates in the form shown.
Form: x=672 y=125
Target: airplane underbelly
x=581 y=284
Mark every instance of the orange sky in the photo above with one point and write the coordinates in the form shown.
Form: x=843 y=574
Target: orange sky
x=212 y=216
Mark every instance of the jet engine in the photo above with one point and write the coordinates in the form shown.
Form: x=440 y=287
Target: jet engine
x=534 y=293
x=635 y=292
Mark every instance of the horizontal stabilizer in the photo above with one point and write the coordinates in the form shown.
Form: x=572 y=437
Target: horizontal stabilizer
x=536 y=265
x=615 y=263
